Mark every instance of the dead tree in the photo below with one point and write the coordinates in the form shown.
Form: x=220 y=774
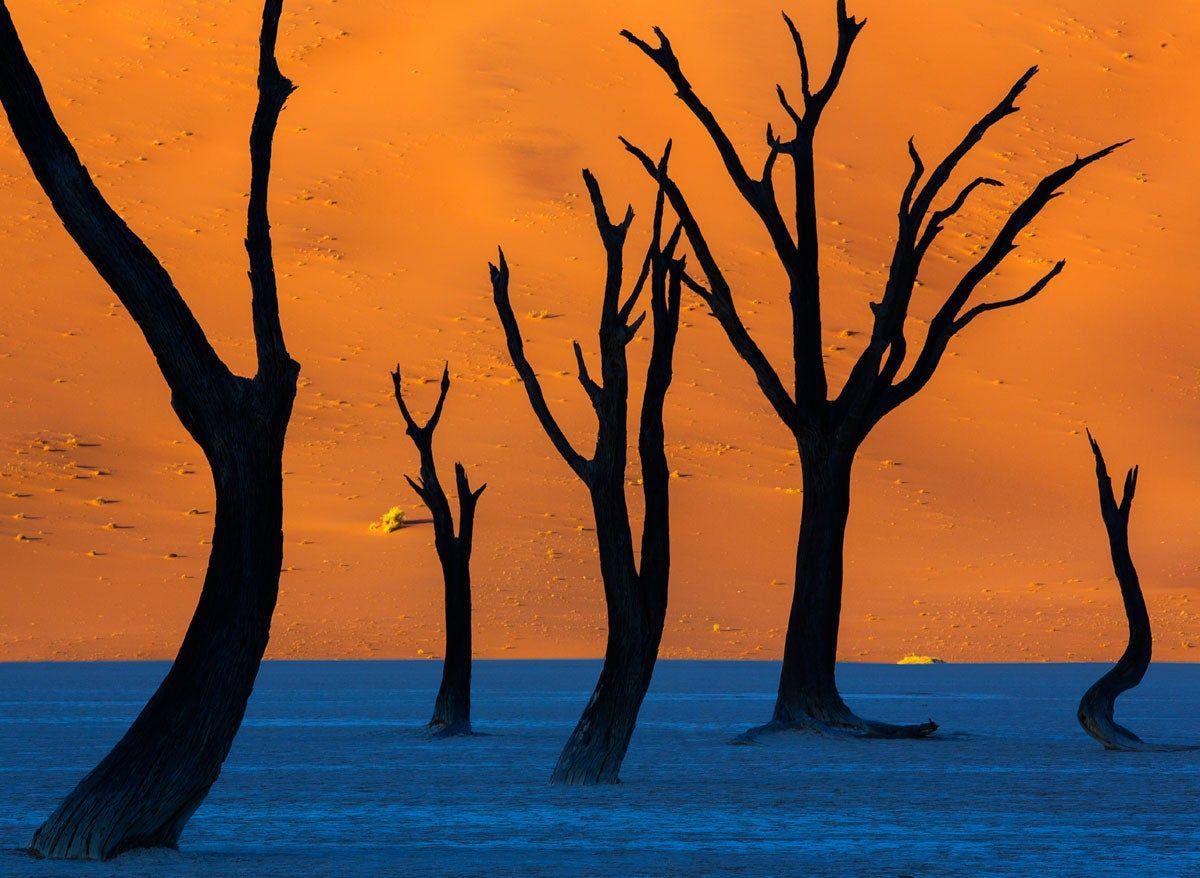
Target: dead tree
x=144 y=791
x=828 y=431
x=452 y=709
x=635 y=594
x=1096 y=708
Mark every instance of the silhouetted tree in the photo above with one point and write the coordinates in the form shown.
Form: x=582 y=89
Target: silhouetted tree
x=829 y=431
x=1096 y=708
x=144 y=791
x=635 y=594
x=452 y=710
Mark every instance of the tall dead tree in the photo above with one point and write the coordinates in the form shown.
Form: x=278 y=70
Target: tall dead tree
x=828 y=431
x=1096 y=708
x=144 y=791
x=635 y=594
x=452 y=709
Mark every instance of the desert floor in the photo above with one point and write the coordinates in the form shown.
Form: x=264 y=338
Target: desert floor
x=333 y=775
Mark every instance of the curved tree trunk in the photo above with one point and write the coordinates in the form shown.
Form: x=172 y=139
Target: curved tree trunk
x=144 y=791
x=1095 y=712
x=808 y=696
x=596 y=748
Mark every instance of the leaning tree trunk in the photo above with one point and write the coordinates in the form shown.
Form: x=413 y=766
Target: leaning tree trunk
x=808 y=696
x=635 y=597
x=597 y=746
x=144 y=791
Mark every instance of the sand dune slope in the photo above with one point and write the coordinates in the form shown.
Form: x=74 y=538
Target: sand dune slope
x=423 y=135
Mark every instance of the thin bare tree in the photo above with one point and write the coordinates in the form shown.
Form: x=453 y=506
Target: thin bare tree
x=143 y=792
x=1095 y=712
x=452 y=709
x=828 y=431
x=635 y=593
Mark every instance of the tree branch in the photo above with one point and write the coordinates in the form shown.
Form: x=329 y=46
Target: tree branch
x=516 y=348
x=799 y=255
x=592 y=389
x=984 y=307
x=937 y=179
x=1114 y=513
x=614 y=331
x=187 y=360
x=273 y=91
x=467 y=500
x=946 y=322
x=867 y=378
x=848 y=29
x=418 y=432
x=719 y=297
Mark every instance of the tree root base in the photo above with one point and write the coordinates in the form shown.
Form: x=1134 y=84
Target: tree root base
x=439 y=730
x=852 y=727
x=1118 y=739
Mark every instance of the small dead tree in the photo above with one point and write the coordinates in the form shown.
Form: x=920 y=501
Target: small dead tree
x=452 y=709
x=829 y=431
x=144 y=791
x=1096 y=708
x=635 y=594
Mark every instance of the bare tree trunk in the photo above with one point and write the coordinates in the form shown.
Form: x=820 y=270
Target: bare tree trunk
x=807 y=689
x=1095 y=712
x=452 y=709
x=808 y=696
x=144 y=791
x=596 y=748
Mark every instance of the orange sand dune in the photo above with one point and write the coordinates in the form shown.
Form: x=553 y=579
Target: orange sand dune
x=423 y=135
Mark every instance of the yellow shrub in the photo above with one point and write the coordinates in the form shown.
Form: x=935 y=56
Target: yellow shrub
x=390 y=521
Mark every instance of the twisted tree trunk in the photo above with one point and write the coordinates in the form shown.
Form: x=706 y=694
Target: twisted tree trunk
x=146 y=788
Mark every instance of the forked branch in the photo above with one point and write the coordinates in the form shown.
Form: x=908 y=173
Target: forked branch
x=427 y=485
x=608 y=395
x=950 y=319
x=798 y=252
